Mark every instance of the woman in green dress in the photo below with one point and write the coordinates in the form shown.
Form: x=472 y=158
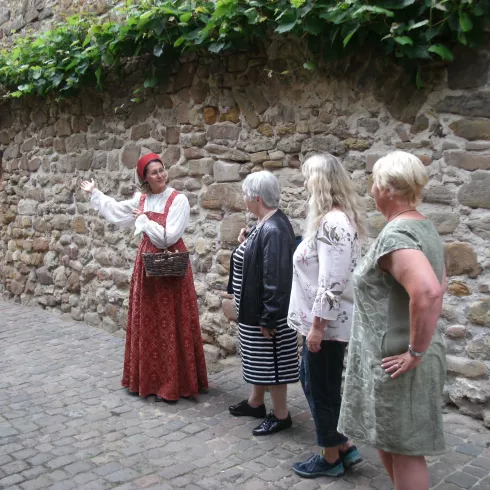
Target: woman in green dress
x=396 y=364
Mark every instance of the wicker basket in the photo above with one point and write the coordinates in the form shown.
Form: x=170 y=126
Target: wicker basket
x=165 y=263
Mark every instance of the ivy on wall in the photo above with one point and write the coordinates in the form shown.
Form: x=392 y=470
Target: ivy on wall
x=84 y=49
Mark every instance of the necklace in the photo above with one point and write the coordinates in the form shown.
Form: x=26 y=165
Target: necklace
x=265 y=218
x=403 y=212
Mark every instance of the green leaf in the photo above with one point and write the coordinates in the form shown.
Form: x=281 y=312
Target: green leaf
x=310 y=65
x=374 y=10
x=403 y=40
x=98 y=75
x=443 y=51
x=216 y=47
x=158 y=50
x=108 y=59
x=419 y=24
x=150 y=82
x=297 y=3
x=185 y=17
x=465 y=22
x=288 y=26
x=349 y=36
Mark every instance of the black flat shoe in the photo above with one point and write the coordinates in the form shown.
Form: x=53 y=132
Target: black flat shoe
x=243 y=409
x=133 y=393
x=272 y=424
x=160 y=399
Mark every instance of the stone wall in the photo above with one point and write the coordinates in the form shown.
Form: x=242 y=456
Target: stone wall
x=215 y=122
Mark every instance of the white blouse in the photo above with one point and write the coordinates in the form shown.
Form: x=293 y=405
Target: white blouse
x=120 y=214
x=322 y=278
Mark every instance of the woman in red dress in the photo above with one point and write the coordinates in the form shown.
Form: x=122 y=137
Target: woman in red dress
x=164 y=354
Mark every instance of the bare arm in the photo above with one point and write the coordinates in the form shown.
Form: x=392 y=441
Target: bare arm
x=413 y=271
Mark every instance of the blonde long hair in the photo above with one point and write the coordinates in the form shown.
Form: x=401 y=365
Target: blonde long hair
x=329 y=185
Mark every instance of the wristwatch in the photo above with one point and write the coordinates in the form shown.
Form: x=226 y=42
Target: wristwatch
x=415 y=353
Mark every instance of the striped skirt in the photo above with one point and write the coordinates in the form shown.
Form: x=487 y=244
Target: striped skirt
x=269 y=361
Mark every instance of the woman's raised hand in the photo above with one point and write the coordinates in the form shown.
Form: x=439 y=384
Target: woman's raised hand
x=88 y=186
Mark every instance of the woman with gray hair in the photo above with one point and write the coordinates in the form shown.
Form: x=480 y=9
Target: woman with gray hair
x=396 y=364
x=261 y=278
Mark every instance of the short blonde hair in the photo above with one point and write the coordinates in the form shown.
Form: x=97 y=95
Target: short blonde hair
x=403 y=174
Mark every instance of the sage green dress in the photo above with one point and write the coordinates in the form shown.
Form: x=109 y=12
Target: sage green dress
x=401 y=415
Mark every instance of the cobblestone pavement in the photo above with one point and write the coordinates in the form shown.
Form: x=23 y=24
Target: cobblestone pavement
x=66 y=423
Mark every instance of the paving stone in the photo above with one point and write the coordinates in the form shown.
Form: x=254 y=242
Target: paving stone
x=124 y=475
x=463 y=480
x=470 y=449
x=97 y=437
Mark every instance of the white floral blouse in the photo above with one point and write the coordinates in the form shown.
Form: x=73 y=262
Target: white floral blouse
x=322 y=278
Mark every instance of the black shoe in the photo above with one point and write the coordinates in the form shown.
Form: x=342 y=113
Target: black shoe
x=169 y=402
x=244 y=409
x=272 y=424
x=133 y=393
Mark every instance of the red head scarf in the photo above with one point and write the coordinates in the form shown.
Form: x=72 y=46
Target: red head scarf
x=144 y=161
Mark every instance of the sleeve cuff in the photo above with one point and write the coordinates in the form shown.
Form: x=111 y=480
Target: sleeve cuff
x=141 y=223
x=326 y=305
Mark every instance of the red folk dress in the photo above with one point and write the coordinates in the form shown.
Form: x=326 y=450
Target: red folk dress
x=164 y=354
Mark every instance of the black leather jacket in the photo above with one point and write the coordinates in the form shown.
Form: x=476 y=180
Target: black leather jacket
x=267 y=273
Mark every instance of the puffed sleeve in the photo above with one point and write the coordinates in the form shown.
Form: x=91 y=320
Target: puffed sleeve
x=119 y=213
x=334 y=246
x=177 y=221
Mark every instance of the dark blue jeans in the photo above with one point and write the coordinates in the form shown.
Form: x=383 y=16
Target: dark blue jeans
x=321 y=379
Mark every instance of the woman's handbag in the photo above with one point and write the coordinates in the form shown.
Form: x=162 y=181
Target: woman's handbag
x=166 y=263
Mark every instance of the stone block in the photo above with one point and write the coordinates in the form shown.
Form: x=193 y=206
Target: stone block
x=458 y=288
x=259 y=143
x=370 y=124
x=471 y=129
x=467 y=368
x=171 y=155
x=62 y=127
x=467 y=160
x=200 y=91
x=329 y=144
x=211 y=353
x=231 y=226
x=456 y=332
x=247 y=108
x=141 y=131
x=266 y=129
x=475 y=193
x=480 y=225
x=357 y=144
x=177 y=171
x=479 y=312
x=258 y=100
x=44 y=276
x=130 y=155
x=473 y=104
x=444 y=222
x=229 y=309
x=226 y=131
x=204 y=166
x=227 y=172
x=185 y=76
x=438 y=194
x=461 y=259
x=76 y=143
x=479 y=348
x=227 y=153
x=210 y=115
x=27 y=207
